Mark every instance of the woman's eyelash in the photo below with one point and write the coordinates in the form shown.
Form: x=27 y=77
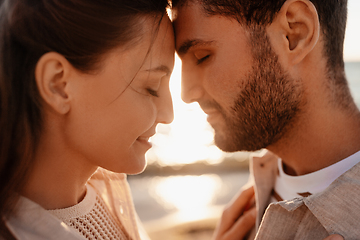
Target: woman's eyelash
x=199 y=61
x=152 y=92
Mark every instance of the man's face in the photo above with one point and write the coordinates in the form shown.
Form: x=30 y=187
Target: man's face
x=235 y=76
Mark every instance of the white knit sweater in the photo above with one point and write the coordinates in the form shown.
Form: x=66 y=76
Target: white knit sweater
x=91 y=218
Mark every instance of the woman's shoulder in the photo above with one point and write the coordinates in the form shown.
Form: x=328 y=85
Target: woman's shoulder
x=115 y=192
x=31 y=221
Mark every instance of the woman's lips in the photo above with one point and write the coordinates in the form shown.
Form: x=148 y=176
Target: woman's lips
x=144 y=140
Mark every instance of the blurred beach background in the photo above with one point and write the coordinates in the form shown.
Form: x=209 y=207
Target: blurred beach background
x=188 y=180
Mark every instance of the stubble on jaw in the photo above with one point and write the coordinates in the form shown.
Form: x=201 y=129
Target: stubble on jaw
x=267 y=105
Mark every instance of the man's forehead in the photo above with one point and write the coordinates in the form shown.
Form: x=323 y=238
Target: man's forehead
x=195 y=28
x=190 y=23
x=189 y=9
x=176 y=4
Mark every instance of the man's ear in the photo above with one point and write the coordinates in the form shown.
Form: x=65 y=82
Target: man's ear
x=295 y=31
x=52 y=76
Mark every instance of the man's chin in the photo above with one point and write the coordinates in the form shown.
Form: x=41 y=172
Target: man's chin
x=225 y=144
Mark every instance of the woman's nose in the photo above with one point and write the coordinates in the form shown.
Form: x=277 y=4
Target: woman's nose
x=165 y=112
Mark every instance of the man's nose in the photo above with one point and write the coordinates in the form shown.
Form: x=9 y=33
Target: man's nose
x=191 y=85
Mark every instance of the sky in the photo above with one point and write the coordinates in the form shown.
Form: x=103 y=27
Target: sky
x=352 y=36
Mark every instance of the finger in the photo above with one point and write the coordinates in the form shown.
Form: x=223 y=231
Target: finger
x=334 y=237
x=242 y=226
x=250 y=204
x=233 y=211
x=239 y=203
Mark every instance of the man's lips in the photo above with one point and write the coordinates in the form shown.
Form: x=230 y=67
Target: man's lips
x=212 y=114
x=209 y=107
x=210 y=111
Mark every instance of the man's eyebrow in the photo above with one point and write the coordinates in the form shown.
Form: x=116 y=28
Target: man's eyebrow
x=188 y=44
x=161 y=68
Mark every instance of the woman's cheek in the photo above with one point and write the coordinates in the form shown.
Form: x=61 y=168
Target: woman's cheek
x=149 y=111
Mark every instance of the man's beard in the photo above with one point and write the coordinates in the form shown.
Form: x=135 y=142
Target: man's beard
x=266 y=106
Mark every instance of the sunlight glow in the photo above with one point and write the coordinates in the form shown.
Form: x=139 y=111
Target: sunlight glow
x=189 y=138
x=352 y=36
x=190 y=195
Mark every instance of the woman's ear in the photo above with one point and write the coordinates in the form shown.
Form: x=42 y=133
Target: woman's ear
x=295 y=30
x=52 y=76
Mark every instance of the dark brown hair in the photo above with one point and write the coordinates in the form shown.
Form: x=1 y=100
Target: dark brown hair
x=82 y=31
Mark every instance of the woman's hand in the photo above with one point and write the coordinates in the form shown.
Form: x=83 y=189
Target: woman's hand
x=238 y=217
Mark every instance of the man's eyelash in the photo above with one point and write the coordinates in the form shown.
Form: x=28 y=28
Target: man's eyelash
x=199 y=61
x=152 y=92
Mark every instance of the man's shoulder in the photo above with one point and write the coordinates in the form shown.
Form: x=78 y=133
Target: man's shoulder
x=337 y=207
x=354 y=172
x=348 y=180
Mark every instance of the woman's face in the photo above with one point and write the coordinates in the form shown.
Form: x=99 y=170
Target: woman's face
x=115 y=111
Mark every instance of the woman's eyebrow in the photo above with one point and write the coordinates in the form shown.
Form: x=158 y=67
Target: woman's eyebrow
x=161 y=68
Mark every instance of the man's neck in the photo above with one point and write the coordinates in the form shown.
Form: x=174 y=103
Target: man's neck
x=318 y=141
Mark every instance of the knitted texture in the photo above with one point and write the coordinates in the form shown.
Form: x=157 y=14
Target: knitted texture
x=91 y=218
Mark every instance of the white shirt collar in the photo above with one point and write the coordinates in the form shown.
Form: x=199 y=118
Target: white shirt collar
x=289 y=187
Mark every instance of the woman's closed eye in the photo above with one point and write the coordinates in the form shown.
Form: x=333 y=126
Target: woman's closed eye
x=149 y=83
x=152 y=92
